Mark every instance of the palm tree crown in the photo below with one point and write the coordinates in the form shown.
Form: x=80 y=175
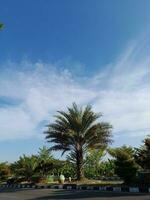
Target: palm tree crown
x=76 y=131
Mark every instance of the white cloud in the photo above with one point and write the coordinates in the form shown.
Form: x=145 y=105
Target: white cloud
x=15 y=123
x=121 y=91
x=40 y=90
x=125 y=100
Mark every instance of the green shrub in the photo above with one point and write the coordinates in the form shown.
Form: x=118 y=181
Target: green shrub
x=125 y=165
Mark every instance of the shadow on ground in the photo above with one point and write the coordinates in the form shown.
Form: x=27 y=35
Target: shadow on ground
x=86 y=195
x=14 y=190
x=49 y=194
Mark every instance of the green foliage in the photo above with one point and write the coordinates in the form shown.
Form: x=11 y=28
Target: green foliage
x=125 y=165
x=45 y=168
x=92 y=163
x=64 y=167
x=36 y=167
x=142 y=155
x=25 y=167
x=107 y=168
x=45 y=162
x=68 y=170
x=5 y=171
x=96 y=167
x=76 y=131
x=45 y=154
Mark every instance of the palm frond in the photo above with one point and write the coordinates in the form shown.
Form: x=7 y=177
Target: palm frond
x=78 y=127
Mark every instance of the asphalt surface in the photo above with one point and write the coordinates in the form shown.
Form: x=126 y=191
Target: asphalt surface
x=45 y=194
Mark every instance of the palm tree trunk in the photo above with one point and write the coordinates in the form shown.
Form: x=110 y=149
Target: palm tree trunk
x=80 y=172
x=79 y=165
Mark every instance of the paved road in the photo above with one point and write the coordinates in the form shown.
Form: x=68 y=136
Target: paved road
x=45 y=194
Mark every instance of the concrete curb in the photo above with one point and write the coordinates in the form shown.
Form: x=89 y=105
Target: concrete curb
x=79 y=187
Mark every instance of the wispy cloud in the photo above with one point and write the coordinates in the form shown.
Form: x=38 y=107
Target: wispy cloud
x=40 y=89
x=125 y=97
x=121 y=91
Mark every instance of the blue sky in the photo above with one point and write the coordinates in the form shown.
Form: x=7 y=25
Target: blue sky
x=54 y=52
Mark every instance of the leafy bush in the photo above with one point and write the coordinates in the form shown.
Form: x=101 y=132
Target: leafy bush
x=125 y=165
x=5 y=171
x=142 y=155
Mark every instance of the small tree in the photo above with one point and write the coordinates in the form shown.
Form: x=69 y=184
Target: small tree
x=5 y=171
x=45 y=161
x=92 y=162
x=45 y=154
x=142 y=155
x=25 y=167
x=68 y=169
x=107 y=168
x=125 y=165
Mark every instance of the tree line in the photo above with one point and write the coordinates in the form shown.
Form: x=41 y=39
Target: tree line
x=124 y=162
x=80 y=134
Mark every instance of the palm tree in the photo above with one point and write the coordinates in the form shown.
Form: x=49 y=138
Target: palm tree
x=142 y=154
x=25 y=167
x=76 y=131
x=45 y=161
